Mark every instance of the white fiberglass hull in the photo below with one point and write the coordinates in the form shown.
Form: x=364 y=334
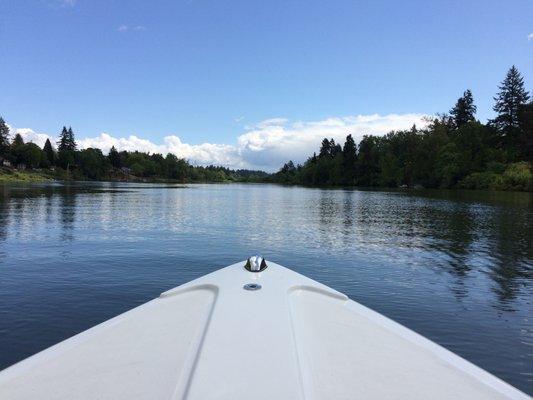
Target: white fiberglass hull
x=294 y=338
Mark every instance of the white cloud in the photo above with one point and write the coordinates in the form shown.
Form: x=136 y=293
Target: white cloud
x=265 y=145
x=126 y=28
x=68 y=3
x=530 y=36
x=199 y=154
x=29 y=135
x=273 y=142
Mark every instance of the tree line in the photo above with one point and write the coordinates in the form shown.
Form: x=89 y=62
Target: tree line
x=453 y=150
x=68 y=162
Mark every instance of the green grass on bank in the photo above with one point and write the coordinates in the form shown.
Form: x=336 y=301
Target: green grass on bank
x=10 y=175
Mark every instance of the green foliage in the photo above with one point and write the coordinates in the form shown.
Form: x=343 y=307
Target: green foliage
x=92 y=163
x=483 y=180
x=516 y=176
x=452 y=151
x=114 y=158
x=525 y=136
x=31 y=155
x=66 y=158
x=4 y=137
x=432 y=157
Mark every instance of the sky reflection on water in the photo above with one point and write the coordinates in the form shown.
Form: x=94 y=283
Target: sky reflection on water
x=453 y=266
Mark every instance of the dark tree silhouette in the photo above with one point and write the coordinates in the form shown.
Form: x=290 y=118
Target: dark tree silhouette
x=114 y=157
x=66 y=140
x=464 y=110
x=325 y=149
x=66 y=148
x=349 y=159
x=4 y=137
x=510 y=100
x=49 y=154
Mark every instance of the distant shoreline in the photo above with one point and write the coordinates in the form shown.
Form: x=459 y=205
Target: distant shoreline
x=9 y=175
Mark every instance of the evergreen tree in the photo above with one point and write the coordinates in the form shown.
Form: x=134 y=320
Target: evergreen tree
x=288 y=168
x=62 y=144
x=349 y=158
x=511 y=97
x=66 y=148
x=72 y=142
x=464 y=110
x=49 y=154
x=334 y=148
x=66 y=140
x=17 y=149
x=368 y=161
x=114 y=157
x=17 y=141
x=4 y=137
x=325 y=149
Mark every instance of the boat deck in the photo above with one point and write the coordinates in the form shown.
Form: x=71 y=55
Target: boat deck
x=292 y=338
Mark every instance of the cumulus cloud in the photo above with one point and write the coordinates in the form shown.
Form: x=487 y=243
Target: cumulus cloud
x=265 y=145
x=273 y=142
x=199 y=154
x=29 y=135
x=530 y=36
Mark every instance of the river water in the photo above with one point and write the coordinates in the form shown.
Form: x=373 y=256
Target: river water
x=457 y=267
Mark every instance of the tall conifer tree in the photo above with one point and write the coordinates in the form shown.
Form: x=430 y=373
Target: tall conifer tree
x=349 y=158
x=464 y=110
x=509 y=100
x=49 y=152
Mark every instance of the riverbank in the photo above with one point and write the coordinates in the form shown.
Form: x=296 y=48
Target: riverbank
x=17 y=176
x=513 y=177
x=497 y=177
x=12 y=175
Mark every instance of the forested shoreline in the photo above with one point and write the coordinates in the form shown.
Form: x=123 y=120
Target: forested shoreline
x=69 y=163
x=454 y=150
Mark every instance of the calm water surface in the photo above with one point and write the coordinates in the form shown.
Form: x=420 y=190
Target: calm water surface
x=453 y=266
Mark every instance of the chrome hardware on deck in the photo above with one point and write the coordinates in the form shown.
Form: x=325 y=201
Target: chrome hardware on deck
x=255 y=264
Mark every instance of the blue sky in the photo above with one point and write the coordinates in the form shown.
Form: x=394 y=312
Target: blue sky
x=212 y=72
